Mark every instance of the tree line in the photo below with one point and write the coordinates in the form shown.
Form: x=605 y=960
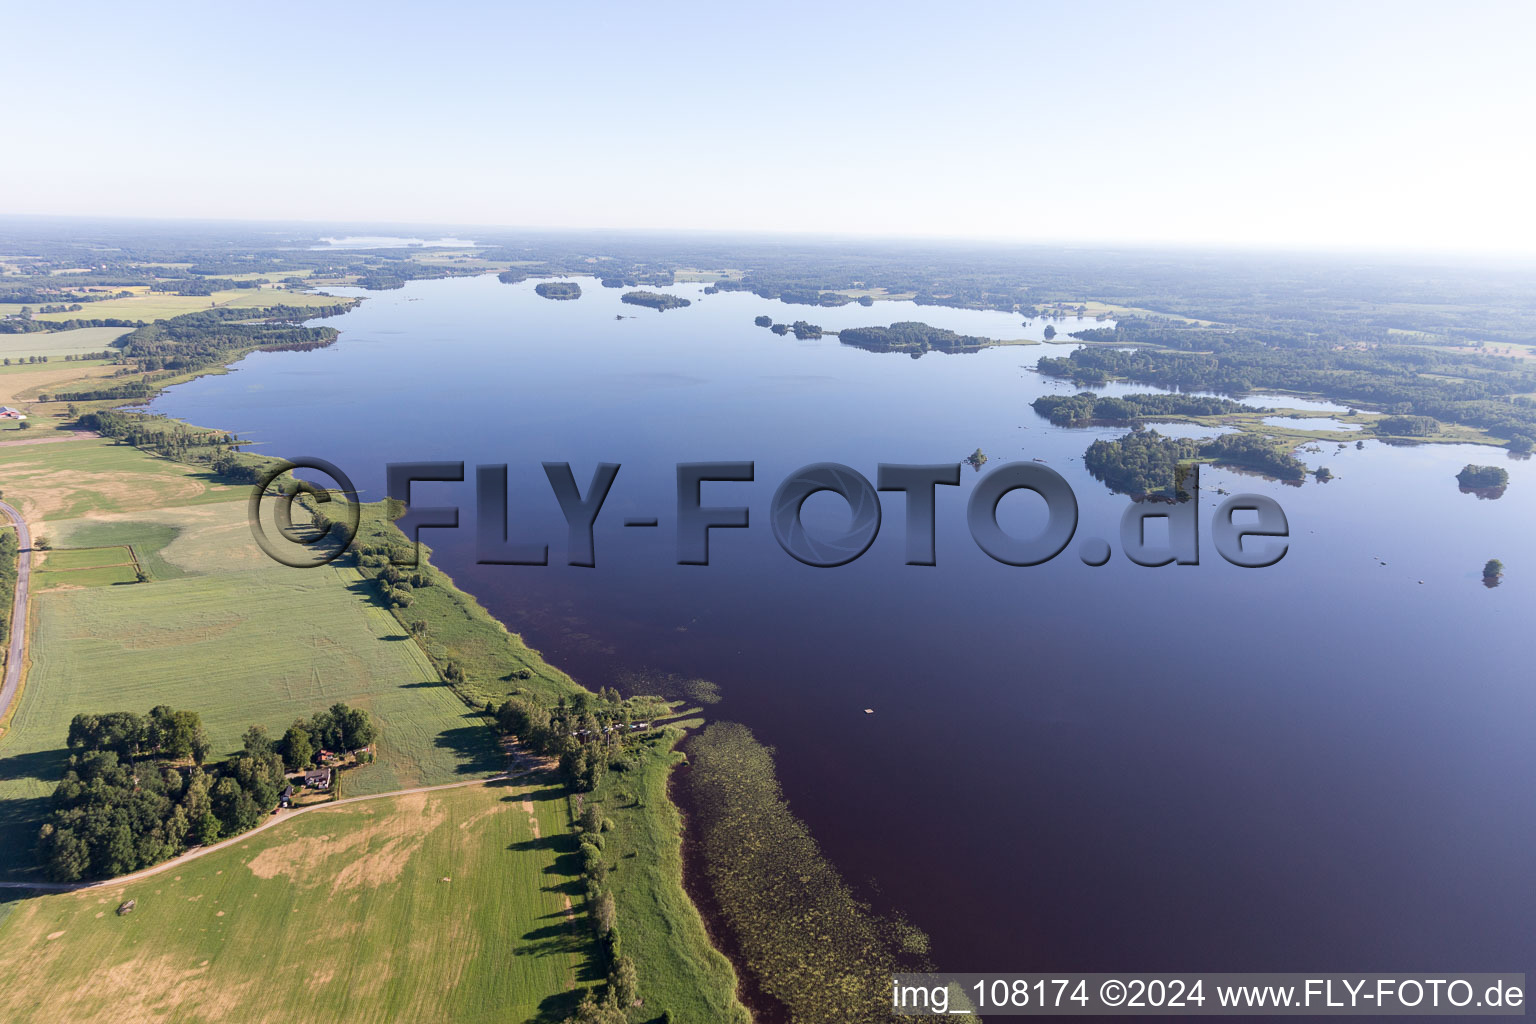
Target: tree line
x=139 y=789
x=211 y=336
x=1486 y=391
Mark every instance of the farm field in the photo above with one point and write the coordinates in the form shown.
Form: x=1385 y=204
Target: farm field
x=221 y=630
x=86 y=557
x=462 y=904
x=93 y=576
x=147 y=305
x=95 y=476
x=20 y=384
x=58 y=344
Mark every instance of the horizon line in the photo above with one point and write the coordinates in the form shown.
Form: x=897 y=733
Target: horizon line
x=1088 y=244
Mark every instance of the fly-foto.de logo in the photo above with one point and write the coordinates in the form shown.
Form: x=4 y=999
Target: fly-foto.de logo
x=1248 y=530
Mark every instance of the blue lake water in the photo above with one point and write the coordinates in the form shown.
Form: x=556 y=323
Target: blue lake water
x=1326 y=764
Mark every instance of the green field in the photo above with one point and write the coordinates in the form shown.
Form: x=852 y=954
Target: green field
x=222 y=630
x=144 y=537
x=236 y=637
x=96 y=576
x=86 y=557
x=58 y=344
x=428 y=907
x=679 y=969
x=496 y=662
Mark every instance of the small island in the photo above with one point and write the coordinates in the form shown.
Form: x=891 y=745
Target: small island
x=655 y=300
x=558 y=289
x=512 y=276
x=1482 y=478
x=1147 y=464
x=1088 y=409
x=801 y=328
x=1493 y=569
x=976 y=459
x=912 y=337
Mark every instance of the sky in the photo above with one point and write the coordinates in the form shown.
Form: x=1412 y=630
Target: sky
x=1382 y=125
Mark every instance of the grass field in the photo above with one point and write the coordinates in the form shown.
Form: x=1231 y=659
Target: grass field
x=58 y=344
x=145 y=538
x=495 y=661
x=679 y=969
x=429 y=907
x=96 y=576
x=221 y=630
x=86 y=557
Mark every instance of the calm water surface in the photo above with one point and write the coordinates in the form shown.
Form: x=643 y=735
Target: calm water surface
x=1325 y=765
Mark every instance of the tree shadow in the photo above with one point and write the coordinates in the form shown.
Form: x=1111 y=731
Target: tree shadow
x=474 y=746
x=21 y=817
x=557 y=1008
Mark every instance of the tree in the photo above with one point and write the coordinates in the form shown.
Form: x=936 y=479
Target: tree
x=207 y=830
x=1493 y=570
x=1050 y=332
x=256 y=742
x=356 y=727
x=590 y=1011
x=604 y=913
x=298 y=751
x=624 y=982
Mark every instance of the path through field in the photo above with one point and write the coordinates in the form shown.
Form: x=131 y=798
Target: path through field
x=276 y=819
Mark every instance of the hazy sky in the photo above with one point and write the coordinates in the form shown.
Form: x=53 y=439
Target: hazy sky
x=1361 y=125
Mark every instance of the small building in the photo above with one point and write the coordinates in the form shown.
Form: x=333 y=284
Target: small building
x=320 y=778
x=7 y=413
x=285 y=799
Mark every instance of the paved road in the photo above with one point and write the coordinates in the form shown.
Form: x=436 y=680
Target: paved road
x=13 y=658
x=275 y=819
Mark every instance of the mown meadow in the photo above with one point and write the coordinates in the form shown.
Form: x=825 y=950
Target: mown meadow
x=450 y=905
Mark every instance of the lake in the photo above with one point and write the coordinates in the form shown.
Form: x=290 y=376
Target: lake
x=1323 y=765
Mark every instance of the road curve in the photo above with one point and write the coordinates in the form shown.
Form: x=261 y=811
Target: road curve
x=13 y=658
x=276 y=819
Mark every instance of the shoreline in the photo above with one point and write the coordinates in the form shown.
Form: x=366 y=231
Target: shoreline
x=473 y=703
x=764 y=1008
